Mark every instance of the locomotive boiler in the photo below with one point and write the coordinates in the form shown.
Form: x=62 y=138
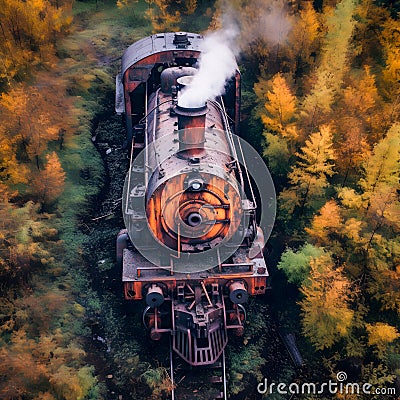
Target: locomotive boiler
x=192 y=249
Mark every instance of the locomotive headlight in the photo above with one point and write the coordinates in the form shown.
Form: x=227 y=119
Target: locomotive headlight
x=195 y=184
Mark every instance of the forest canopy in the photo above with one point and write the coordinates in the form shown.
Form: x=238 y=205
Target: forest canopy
x=321 y=99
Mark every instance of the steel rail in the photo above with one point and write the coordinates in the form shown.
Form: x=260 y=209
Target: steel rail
x=171 y=365
x=224 y=391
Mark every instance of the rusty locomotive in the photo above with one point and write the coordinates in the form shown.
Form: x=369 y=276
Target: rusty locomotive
x=191 y=248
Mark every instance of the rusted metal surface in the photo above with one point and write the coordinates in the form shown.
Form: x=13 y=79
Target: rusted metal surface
x=170 y=76
x=192 y=131
x=138 y=270
x=174 y=161
x=158 y=44
x=238 y=101
x=187 y=196
x=166 y=194
x=143 y=57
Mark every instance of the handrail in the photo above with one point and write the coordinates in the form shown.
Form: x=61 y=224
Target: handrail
x=221 y=106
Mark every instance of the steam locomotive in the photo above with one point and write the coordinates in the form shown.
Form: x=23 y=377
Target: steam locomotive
x=191 y=248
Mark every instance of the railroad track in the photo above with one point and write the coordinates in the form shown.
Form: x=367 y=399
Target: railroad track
x=197 y=383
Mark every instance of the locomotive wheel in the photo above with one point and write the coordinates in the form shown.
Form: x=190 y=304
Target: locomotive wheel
x=148 y=318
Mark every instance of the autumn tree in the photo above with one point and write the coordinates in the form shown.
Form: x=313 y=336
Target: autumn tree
x=163 y=15
x=326 y=224
x=380 y=335
x=385 y=286
x=370 y=18
x=383 y=167
x=48 y=367
x=20 y=250
x=357 y=123
x=332 y=66
x=27 y=31
x=30 y=121
x=309 y=177
x=390 y=40
x=278 y=118
x=380 y=183
x=380 y=202
x=371 y=225
x=190 y=6
x=9 y=226
x=327 y=314
x=340 y=230
x=303 y=39
x=280 y=106
x=48 y=183
x=26 y=372
x=12 y=171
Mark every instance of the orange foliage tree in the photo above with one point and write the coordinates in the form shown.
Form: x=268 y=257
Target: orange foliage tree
x=48 y=183
x=31 y=120
x=28 y=30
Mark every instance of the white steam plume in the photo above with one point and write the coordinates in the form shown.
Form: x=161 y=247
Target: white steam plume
x=217 y=65
x=265 y=19
x=262 y=19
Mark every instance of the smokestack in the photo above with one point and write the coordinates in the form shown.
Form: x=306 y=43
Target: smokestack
x=191 y=125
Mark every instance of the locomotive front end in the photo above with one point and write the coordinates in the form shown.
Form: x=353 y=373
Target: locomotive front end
x=193 y=200
x=192 y=248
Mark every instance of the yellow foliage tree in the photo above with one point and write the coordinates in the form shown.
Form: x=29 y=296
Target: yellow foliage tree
x=381 y=334
x=302 y=40
x=46 y=366
x=19 y=250
x=280 y=105
x=70 y=385
x=327 y=315
x=381 y=181
x=361 y=97
x=390 y=40
x=11 y=171
x=163 y=15
x=357 y=114
x=27 y=30
x=190 y=6
x=325 y=224
x=383 y=167
x=280 y=110
x=308 y=177
x=367 y=34
x=332 y=66
x=19 y=367
x=385 y=287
